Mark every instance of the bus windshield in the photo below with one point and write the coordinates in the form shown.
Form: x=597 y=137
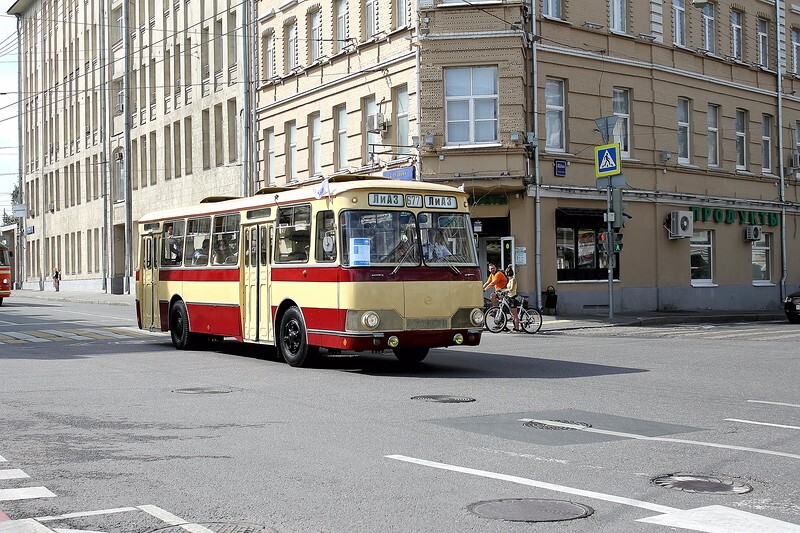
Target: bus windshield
x=4 y=259
x=391 y=238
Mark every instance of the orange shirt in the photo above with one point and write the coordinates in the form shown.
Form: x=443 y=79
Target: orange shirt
x=499 y=280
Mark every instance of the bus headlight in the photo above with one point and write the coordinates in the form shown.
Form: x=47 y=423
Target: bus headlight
x=370 y=320
x=5 y=281
x=476 y=317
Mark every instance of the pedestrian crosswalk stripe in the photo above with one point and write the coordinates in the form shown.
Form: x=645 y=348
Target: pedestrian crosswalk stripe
x=65 y=334
x=12 y=473
x=91 y=334
x=61 y=335
x=26 y=493
x=133 y=332
x=5 y=339
x=44 y=335
x=25 y=337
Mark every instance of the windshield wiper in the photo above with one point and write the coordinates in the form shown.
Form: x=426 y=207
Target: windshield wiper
x=403 y=258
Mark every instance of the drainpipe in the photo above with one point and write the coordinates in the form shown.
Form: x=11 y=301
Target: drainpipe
x=248 y=46
x=106 y=94
x=779 y=72
x=126 y=39
x=537 y=175
x=418 y=58
x=19 y=261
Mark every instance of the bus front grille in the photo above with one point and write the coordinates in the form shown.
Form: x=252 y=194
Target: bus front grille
x=428 y=323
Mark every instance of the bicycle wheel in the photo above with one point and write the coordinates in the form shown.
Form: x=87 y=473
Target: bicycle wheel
x=530 y=320
x=495 y=320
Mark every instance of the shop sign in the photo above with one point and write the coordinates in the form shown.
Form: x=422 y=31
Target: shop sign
x=489 y=199
x=731 y=216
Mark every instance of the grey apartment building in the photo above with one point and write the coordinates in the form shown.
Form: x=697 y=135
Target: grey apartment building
x=177 y=101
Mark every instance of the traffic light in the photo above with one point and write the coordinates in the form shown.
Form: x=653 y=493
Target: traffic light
x=617 y=241
x=618 y=207
x=604 y=243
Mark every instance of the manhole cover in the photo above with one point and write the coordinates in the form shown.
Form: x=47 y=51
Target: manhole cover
x=443 y=399
x=690 y=483
x=204 y=390
x=215 y=527
x=562 y=425
x=530 y=510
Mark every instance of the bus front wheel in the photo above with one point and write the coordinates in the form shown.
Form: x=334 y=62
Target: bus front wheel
x=410 y=355
x=293 y=343
x=179 y=326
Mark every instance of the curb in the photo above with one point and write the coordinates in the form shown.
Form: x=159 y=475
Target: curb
x=80 y=299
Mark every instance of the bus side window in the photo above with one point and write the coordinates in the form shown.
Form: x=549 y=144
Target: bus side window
x=172 y=243
x=325 y=247
x=294 y=234
x=264 y=247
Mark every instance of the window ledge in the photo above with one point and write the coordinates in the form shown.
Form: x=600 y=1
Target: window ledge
x=703 y=284
x=470 y=4
x=559 y=20
x=744 y=172
x=687 y=165
x=471 y=146
x=769 y=175
x=763 y=283
x=620 y=33
x=584 y=281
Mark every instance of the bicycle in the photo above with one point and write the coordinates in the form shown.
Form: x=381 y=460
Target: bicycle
x=499 y=317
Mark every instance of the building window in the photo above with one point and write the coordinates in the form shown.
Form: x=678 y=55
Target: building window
x=762 y=258
x=315 y=36
x=762 y=34
x=401 y=8
x=741 y=139
x=618 y=15
x=679 y=22
x=684 y=123
x=552 y=8
x=269 y=56
x=341 y=138
x=291 y=45
x=710 y=28
x=736 y=34
x=578 y=255
x=340 y=40
x=796 y=52
x=291 y=151
x=622 y=129
x=712 y=118
x=270 y=157
x=370 y=18
x=471 y=99
x=315 y=144
x=702 y=255
x=372 y=138
x=554 y=115
x=401 y=120
x=766 y=144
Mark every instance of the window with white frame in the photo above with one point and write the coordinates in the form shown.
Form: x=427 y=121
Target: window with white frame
x=341 y=138
x=552 y=8
x=702 y=257
x=290 y=33
x=796 y=51
x=762 y=36
x=622 y=129
x=710 y=28
x=471 y=102
x=712 y=118
x=684 y=129
x=797 y=139
x=269 y=56
x=737 y=18
x=761 y=258
x=555 y=125
x=401 y=119
x=291 y=151
x=679 y=22
x=372 y=138
x=270 y=157
x=315 y=144
x=766 y=143
x=741 y=139
x=340 y=35
x=401 y=10
x=314 y=36
x=618 y=15
x=370 y=18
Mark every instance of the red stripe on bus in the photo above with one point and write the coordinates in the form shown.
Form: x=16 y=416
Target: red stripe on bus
x=199 y=274
x=334 y=274
x=224 y=320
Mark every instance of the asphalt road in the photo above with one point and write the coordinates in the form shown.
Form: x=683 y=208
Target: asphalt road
x=101 y=417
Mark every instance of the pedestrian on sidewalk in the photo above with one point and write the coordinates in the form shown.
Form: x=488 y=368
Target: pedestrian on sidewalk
x=56 y=278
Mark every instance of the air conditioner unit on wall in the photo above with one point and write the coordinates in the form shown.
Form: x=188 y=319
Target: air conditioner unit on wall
x=376 y=122
x=795 y=160
x=753 y=233
x=681 y=224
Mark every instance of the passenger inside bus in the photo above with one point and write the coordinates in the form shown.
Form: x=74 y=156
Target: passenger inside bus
x=200 y=255
x=221 y=251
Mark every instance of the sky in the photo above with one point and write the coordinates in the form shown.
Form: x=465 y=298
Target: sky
x=9 y=130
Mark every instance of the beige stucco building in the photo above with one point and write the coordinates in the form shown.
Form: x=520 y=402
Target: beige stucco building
x=703 y=95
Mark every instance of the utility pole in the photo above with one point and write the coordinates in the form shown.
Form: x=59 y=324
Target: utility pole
x=126 y=46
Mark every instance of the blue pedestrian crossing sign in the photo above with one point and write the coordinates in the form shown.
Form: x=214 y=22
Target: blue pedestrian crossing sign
x=606 y=160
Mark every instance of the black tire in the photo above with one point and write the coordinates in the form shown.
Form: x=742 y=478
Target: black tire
x=1 y=301
x=182 y=339
x=293 y=341
x=495 y=320
x=793 y=319
x=530 y=320
x=411 y=355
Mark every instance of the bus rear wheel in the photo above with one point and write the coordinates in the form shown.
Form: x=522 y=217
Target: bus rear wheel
x=182 y=339
x=410 y=355
x=293 y=342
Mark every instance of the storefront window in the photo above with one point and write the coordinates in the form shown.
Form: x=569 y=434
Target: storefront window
x=578 y=256
x=702 y=257
x=761 y=258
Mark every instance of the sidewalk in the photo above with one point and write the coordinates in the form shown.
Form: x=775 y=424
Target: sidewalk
x=550 y=322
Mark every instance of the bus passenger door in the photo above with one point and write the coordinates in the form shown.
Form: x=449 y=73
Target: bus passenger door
x=149 y=297
x=265 y=330
x=250 y=300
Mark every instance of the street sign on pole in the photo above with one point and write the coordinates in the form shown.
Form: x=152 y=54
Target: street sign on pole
x=616 y=182
x=606 y=160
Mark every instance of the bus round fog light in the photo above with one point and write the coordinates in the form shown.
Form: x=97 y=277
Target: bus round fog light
x=458 y=338
x=393 y=342
x=476 y=317
x=370 y=320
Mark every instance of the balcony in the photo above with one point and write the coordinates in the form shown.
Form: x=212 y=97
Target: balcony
x=187 y=97
x=233 y=74
x=218 y=80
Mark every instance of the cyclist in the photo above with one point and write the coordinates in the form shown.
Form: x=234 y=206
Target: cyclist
x=497 y=280
x=511 y=293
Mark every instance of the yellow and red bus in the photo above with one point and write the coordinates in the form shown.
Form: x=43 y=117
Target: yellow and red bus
x=355 y=264
x=5 y=272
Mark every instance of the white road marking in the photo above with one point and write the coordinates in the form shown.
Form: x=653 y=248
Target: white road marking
x=2 y=459
x=140 y=331
x=62 y=530
x=26 y=525
x=65 y=334
x=86 y=513
x=13 y=473
x=25 y=337
x=5 y=323
x=661 y=439
x=26 y=493
x=775 y=403
x=712 y=519
x=761 y=423
x=173 y=520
